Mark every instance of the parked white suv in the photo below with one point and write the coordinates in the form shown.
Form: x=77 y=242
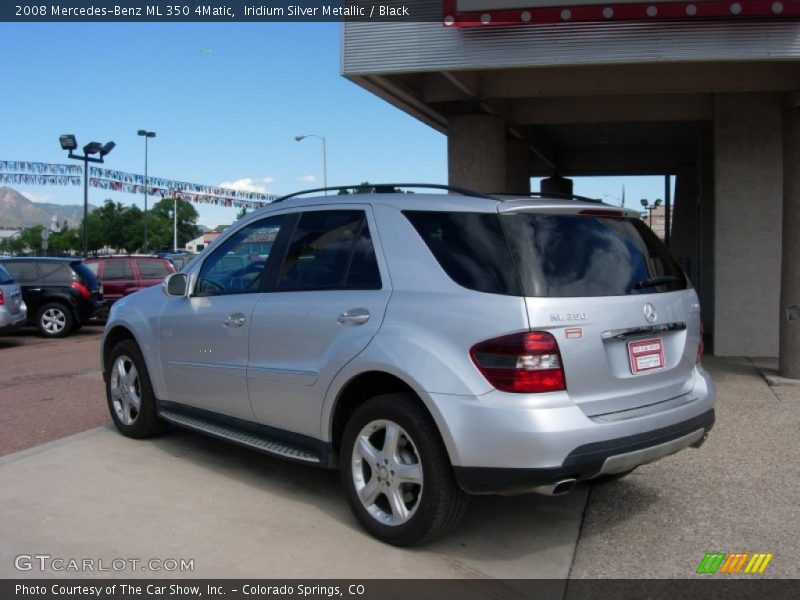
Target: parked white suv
x=429 y=345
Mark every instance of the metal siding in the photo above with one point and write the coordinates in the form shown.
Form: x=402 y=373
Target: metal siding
x=384 y=48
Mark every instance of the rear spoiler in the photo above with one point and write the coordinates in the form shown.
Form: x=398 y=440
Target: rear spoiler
x=560 y=207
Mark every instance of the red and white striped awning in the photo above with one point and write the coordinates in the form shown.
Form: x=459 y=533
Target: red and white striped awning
x=482 y=13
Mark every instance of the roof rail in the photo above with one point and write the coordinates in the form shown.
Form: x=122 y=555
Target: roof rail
x=389 y=188
x=552 y=195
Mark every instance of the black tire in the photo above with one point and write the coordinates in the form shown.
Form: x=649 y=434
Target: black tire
x=55 y=320
x=440 y=504
x=143 y=422
x=603 y=479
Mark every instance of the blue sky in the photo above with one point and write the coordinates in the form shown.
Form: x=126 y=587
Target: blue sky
x=226 y=101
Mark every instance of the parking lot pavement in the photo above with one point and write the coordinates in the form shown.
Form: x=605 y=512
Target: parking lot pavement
x=241 y=514
x=738 y=493
x=49 y=388
x=237 y=513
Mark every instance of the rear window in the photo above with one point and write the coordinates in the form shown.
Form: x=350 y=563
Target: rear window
x=554 y=255
x=85 y=273
x=579 y=256
x=5 y=276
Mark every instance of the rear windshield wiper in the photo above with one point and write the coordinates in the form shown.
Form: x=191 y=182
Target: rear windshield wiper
x=654 y=281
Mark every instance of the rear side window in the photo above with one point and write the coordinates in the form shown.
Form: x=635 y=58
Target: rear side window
x=153 y=269
x=470 y=247
x=579 y=256
x=56 y=273
x=23 y=271
x=330 y=249
x=5 y=276
x=117 y=269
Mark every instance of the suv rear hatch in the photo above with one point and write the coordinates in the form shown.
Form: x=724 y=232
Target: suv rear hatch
x=625 y=317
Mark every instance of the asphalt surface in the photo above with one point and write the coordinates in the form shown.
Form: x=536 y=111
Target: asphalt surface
x=241 y=514
x=49 y=388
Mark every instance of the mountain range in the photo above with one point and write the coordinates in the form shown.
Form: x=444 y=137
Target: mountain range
x=17 y=211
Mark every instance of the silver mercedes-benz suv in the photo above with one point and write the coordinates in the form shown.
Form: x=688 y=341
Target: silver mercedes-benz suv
x=429 y=345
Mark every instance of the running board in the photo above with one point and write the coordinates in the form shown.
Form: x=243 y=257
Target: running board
x=238 y=436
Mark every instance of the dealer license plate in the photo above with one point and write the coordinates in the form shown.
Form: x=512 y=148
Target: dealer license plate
x=646 y=355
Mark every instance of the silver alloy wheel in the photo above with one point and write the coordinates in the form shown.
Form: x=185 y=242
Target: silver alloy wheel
x=387 y=472
x=126 y=394
x=54 y=320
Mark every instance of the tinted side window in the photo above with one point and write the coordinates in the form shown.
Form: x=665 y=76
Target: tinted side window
x=5 y=276
x=153 y=269
x=470 y=247
x=117 y=269
x=330 y=249
x=23 y=271
x=94 y=267
x=56 y=273
x=236 y=266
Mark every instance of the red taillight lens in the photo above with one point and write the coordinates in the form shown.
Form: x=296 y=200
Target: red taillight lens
x=700 y=346
x=2 y=300
x=522 y=362
x=82 y=289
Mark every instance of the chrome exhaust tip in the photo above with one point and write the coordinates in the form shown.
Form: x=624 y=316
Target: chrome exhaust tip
x=557 y=488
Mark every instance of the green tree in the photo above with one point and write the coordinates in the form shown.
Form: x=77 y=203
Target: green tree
x=66 y=240
x=32 y=239
x=109 y=220
x=160 y=223
x=242 y=212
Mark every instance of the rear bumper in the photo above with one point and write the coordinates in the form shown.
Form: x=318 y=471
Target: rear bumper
x=11 y=322
x=505 y=443
x=590 y=460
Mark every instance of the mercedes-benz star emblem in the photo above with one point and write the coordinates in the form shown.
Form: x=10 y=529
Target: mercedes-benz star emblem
x=650 y=313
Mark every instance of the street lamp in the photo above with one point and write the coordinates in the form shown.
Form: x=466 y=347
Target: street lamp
x=649 y=208
x=300 y=138
x=147 y=135
x=69 y=143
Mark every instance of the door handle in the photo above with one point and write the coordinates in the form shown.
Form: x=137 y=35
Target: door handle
x=354 y=316
x=234 y=320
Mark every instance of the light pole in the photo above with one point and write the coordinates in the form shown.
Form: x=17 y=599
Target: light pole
x=300 y=138
x=174 y=224
x=147 y=135
x=649 y=208
x=68 y=142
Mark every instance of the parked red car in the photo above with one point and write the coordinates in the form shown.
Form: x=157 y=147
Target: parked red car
x=123 y=275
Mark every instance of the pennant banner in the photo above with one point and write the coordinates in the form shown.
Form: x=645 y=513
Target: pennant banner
x=20 y=172
x=38 y=168
x=27 y=179
x=153 y=190
x=254 y=199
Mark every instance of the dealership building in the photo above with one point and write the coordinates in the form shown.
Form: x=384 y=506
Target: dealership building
x=707 y=91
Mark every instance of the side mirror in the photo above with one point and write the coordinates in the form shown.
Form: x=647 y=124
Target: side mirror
x=176 y=284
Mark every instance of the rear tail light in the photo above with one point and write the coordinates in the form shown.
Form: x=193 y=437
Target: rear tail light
x=522 y=362
x=2 y=300
x=82 y=289
x=700 y=346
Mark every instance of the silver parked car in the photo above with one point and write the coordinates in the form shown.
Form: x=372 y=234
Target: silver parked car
x=13 y=312
x=431 y=346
